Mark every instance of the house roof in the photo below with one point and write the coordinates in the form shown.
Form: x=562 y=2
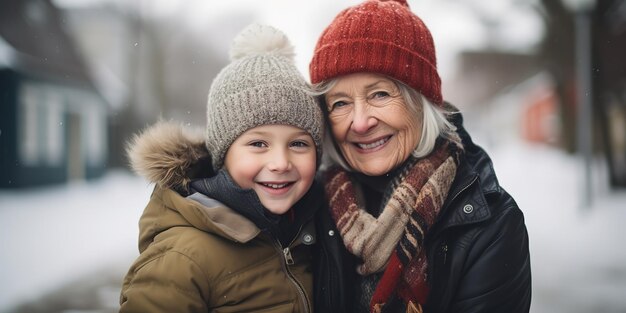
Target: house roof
x=35 y=42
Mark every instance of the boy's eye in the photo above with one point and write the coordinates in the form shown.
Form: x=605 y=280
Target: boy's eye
x=300 y=144
x=258 y=144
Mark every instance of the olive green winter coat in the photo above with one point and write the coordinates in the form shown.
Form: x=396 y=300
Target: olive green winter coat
x=196 y=254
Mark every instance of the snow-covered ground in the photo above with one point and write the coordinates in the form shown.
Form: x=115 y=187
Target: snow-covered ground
x=52 y=236
x=578 y=253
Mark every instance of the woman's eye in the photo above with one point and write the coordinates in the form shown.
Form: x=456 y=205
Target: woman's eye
x=380 y=94
x=379 y=98
x=338 y=104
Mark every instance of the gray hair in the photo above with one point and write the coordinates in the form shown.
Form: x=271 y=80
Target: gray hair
x=434 y=123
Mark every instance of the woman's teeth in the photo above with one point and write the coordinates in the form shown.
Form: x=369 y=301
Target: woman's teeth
x=372 y=145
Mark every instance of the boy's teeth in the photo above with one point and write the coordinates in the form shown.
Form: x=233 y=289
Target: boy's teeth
x=372 y=145
x=275 y=186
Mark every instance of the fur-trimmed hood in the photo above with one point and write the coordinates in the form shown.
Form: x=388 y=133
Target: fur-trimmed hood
x=169 y=154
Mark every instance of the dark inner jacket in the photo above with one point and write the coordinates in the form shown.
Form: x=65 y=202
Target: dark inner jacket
x=477 y=249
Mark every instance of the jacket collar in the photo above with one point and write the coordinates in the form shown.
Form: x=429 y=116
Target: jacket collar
x=169 y=155
x=229 y=222
x=474 y=180
x=464 y=205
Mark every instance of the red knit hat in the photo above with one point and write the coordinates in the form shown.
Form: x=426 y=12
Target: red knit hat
x=379 y=36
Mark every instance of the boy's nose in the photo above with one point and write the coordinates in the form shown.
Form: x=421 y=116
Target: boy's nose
x=279 y=161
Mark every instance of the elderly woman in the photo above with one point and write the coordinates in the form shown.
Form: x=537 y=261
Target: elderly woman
x=414 y=202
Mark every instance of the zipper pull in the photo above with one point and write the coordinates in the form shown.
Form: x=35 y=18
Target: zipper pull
x=444 y=249
x=288 y=257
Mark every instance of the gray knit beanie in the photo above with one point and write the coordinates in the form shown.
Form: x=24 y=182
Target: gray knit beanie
x=261 y=86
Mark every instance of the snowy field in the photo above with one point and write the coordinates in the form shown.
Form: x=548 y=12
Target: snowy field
x=50 y=237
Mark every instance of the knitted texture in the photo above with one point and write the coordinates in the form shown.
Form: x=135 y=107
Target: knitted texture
x=393 y=242
x=382 y=37
x=261 y=86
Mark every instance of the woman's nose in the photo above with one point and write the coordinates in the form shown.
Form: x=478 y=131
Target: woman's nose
x=362 y=119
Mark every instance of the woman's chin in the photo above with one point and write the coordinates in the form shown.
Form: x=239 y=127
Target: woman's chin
x=376 y=163
x=373 y=169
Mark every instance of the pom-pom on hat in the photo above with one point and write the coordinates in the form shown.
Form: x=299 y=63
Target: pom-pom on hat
x=261 y=86
x=383 y=37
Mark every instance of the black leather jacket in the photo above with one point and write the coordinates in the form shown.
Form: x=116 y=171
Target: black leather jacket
x=477 y=250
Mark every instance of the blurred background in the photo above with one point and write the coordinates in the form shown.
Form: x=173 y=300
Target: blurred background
x=541 y=83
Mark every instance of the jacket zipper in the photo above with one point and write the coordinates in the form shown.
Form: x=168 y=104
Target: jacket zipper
x=464 y=188
x=288 y=260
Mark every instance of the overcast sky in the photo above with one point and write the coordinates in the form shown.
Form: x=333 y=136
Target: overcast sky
x=455 y=25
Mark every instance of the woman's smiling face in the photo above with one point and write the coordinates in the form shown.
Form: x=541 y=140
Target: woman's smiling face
x=371 y=123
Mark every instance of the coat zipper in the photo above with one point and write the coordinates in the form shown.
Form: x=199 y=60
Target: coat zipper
x=288 y=260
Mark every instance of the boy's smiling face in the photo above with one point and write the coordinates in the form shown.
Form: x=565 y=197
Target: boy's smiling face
x=278 y=162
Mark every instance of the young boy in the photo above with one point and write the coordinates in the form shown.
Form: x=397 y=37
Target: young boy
x=229 y=226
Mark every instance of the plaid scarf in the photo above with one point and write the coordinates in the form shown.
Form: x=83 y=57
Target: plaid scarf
x=393 y=241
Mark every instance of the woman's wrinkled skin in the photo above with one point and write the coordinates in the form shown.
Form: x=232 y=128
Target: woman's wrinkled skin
x=371 y=123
